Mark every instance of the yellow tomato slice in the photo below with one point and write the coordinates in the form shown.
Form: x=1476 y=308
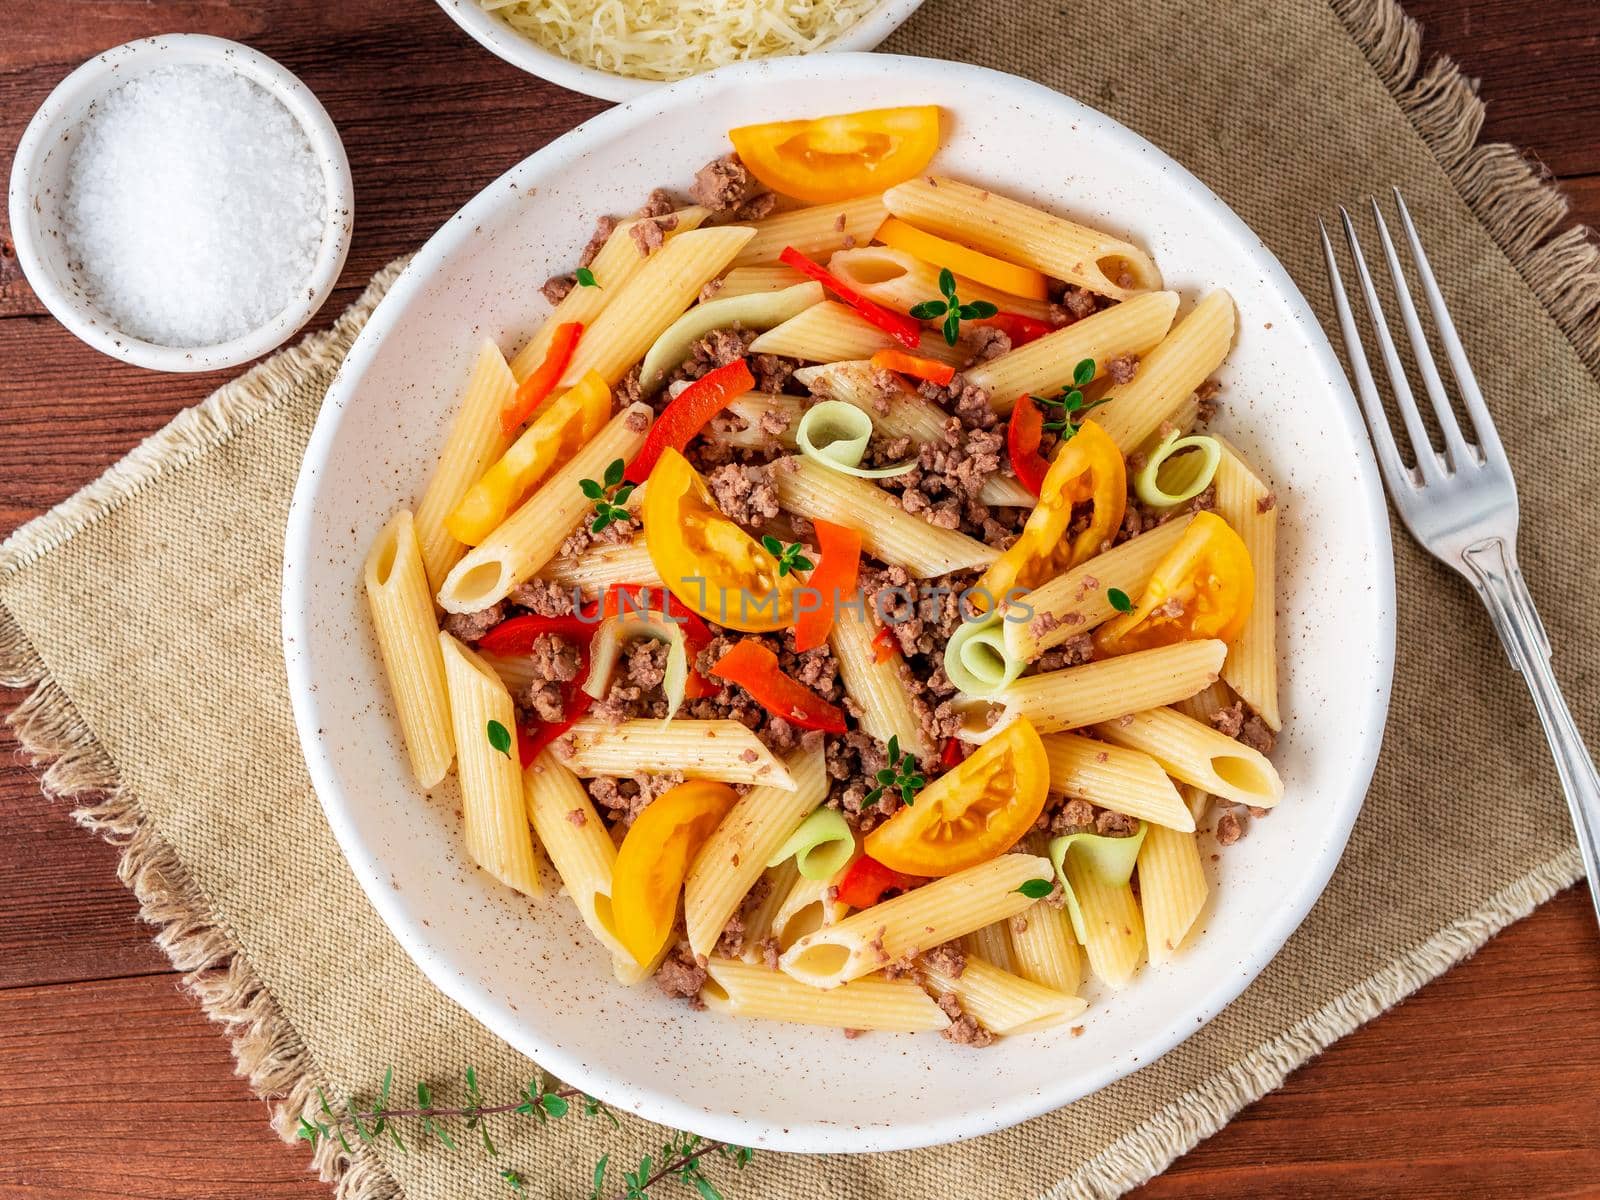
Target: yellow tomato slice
x=973 y=264
x=1088 y=468
x=971 y=814
x=706 y=560
x=654 y=858
x=1203 y=588
x=833 y=158
x=555 y=435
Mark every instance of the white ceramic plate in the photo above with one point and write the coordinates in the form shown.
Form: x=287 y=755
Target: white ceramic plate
x=494 y=35
x=528 y=970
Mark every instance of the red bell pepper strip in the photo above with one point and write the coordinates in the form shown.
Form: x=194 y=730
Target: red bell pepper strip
x=534 y=735
x=914 y=365
x=866 y=880
x=688 y=414
x=834 y=580
x=1024 y=432
x=536 y=388
x=950 y=756
x=755 y=668
x=1020 y=329
x=516 y=635
x=905 y=330
x=883 y=645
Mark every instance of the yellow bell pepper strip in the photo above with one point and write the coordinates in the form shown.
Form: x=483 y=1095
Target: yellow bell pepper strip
x=971 y=814
x=973 y=264
x=536 y=388
x=555 y=435
x=1087 y=469
x=717 y=569
x=834 y=158
x=1202 y=589
x=654 y=858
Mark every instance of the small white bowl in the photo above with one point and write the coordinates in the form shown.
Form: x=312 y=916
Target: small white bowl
x=39 y=172
x=519 y=50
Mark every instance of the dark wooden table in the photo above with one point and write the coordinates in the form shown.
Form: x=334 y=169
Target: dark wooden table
x=112 y=1084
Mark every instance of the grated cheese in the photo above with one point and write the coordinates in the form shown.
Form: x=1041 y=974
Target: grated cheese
x=672 y=39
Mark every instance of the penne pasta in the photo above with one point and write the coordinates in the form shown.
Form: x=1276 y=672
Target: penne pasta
x=1046 y=365
x=408 y=641
x=1003 y=1002
x=887 y=531
x=1172 y=889
x=877 y=686
x=919 y=919
x=1170 y=373
x=735 y=855
x=1075 y=601
x=475 y=440
x=1110 y=687
x=1113 y=928
x=1198 y=755
x=816 y=232
x=1207 y=702
x=992 y=944
x=1021 y=233
x=900 y=281
x=894 y=405
x=717 y=749
x=602 y=565
x=617 y=262
x=806 y=908
x=642 y=308
x=1044 y=947
x=1125 y=781
x=1249 y=506
x=530 y=536
x=780 y=881
x=830 y=331
x=494 y=814
x=741 y=281
x=873 y=1002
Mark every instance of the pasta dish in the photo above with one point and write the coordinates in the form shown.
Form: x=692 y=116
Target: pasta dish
x=843 y=594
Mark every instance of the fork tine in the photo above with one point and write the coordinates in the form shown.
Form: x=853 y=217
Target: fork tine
x=1488 y=438
x=1394 y=471
x=1427 y=460
x=1455 y=447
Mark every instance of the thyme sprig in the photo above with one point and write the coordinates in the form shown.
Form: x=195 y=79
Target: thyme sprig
x=680 y=1158
x=1069 y=402
x=951 y=309
x=902 y=773
x=789 y=557
x=610 y=496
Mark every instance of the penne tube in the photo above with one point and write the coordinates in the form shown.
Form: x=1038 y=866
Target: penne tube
x=733 y=857
x=1111 y=687
x=1046 y=365
x=857 y=382
x=925 y=917
x=641 y=309
x=992 y=944
x=1125 y=781
x=888 y=532
x=877 y=686
x=780 y=881
x=1207 y=702
x=723 y=750
x=806 y=908
x=1198 y=755
x=408 y=641
x=1249 y=506
x=603 y=564
x=1075 y=601
x=527 y=539
x=494 y=814
x=1044 y=947
x=1006 y=491
x=1170 y=373
x=1021 y=233
x=1001 y=1001
x=1113 y=926
x=816 y=231
x=873 y=1002
x=830 y=331
x=1172 y=889
x=475 y=440
x=750 y=408
x=617 y=262
x=742 y=281
x=901 y=281
x=515 y=670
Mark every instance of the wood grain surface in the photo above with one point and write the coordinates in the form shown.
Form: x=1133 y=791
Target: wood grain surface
x=1485 y=1084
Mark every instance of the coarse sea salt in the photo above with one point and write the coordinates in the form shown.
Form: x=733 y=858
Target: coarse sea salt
x=194 y=206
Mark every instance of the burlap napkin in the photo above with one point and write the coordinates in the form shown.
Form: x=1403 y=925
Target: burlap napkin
x=166 y=712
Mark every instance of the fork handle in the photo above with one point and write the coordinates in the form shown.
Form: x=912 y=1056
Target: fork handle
x=1491 y=565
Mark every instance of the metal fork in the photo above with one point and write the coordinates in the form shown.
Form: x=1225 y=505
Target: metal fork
x=1461 y=505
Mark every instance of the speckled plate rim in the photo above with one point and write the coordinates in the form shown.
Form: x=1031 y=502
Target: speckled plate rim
x=1372 y=609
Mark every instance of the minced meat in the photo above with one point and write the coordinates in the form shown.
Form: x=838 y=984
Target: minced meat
x=724 y=183
x=682 y=975
x=469 y=627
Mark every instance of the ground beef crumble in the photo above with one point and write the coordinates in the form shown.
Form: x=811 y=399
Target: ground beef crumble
x=1245 y=727
x=948 y=959
x=725 y=183
x=469 y=627
x=682 y=975
x=963 y=1029
x=745 y=494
